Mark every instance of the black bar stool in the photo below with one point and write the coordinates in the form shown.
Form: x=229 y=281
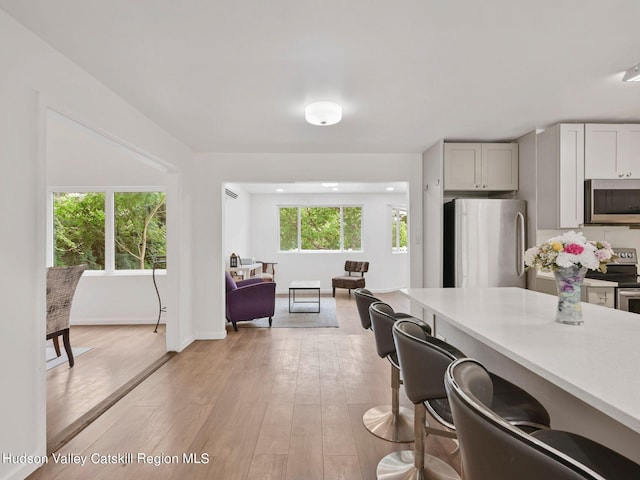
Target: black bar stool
x=491 y=447
x=389 y=422
x=423 y=362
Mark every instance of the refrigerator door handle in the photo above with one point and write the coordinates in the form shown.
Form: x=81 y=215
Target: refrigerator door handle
x=520 y=267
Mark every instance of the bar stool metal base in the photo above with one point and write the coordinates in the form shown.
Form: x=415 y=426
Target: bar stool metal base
x=383 y=423
x=401 y=466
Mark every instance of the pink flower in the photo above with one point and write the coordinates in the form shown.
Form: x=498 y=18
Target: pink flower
x=574 y=249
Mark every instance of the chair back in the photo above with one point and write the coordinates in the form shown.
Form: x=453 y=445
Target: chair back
x=423 y=361
x=356 y=267
x=382 y=321
x=61 y=286
x=364 y=299
x=489 y=445
x=229 y=283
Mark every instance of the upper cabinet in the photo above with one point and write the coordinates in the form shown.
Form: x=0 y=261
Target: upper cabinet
x=560 y=176
x=481 y=166
x=612 y=151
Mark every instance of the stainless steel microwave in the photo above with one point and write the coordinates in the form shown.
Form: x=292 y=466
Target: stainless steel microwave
x=612 y=202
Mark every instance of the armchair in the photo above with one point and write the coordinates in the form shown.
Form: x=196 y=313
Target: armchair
x=61 y=286
x=249 y=299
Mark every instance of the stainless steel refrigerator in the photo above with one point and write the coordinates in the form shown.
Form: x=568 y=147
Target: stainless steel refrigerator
x=484 y=242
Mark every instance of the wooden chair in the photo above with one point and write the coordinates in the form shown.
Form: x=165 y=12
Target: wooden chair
x=61 y=286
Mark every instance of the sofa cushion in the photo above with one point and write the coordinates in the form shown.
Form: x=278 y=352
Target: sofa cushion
x=348 y=282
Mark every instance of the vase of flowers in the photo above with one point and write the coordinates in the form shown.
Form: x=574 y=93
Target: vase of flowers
x=569 y=256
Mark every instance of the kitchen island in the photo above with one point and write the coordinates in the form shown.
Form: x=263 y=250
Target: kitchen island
x=587 y=376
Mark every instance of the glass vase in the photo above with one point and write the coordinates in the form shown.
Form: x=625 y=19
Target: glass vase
x=569 y=285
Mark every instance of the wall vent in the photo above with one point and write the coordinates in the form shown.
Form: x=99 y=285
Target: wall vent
x=230 y=193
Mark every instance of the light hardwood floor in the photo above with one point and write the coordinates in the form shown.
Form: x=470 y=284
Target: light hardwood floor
x=118 y=353
x=262 y=404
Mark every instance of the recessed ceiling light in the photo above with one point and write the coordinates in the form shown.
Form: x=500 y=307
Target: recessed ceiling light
x=632 y=75
x=280 y=190
x=390 y=189
x=329 y=184
x=323 y=114
x=335 y=189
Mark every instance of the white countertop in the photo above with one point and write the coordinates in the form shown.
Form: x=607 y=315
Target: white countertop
x=597 y=362
x=588 y=282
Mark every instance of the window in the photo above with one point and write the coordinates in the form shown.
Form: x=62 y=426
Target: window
x=109 y=230
x=78 y=226
x=327 y=228
x=398 y=229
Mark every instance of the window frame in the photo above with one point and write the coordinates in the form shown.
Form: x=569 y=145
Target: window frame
x=340 y=206
x=405 y=209
x=109 y=227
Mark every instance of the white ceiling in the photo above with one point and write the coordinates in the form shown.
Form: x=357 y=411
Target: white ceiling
x=228 y=76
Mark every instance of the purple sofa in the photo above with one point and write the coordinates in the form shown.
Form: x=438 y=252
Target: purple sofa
x=249 y=299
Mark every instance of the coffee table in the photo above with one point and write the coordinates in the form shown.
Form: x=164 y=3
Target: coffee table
x=303 y=285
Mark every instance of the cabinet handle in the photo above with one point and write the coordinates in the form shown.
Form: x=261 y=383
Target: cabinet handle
x=621 y=175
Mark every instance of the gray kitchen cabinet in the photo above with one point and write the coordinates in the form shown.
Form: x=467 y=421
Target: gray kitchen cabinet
x=612 y=151
x=480 y=166
x=560 y=176
x=601 y=296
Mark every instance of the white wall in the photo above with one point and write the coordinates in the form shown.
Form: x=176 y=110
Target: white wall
x=214 y=170
x=237 y=214
x=433 y=168
x=79 y=157
x=387 y=271
x=35 y=76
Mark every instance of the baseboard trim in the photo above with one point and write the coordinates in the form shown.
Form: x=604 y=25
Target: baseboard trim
x=116 y=321
x=23 y=471
x=185 y=343
x=56 y=443
x=212 y=335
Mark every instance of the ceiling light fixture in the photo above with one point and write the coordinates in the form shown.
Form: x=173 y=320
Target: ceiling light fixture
x=390 y=189
x=323 y=113
x=632 y=75
x=279 y=190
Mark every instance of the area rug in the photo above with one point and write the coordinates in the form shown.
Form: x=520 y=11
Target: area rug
x=305 y=319
x=53 y=361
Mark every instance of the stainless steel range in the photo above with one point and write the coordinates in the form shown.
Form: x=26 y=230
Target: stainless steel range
x=625 y=273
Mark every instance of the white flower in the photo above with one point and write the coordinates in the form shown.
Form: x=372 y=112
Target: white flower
x=530 y=256
x=571 y=249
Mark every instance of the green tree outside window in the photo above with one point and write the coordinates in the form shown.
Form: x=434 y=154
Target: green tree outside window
x=320 y=228
x=78 y=230
x=79 y=226
x=140 y=229
x=399 y=229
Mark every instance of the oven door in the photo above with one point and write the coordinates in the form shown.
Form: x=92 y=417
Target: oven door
x=629 y=299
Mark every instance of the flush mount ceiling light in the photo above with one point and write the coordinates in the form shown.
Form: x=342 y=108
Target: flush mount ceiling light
x=632 y=75
x=323 y=113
